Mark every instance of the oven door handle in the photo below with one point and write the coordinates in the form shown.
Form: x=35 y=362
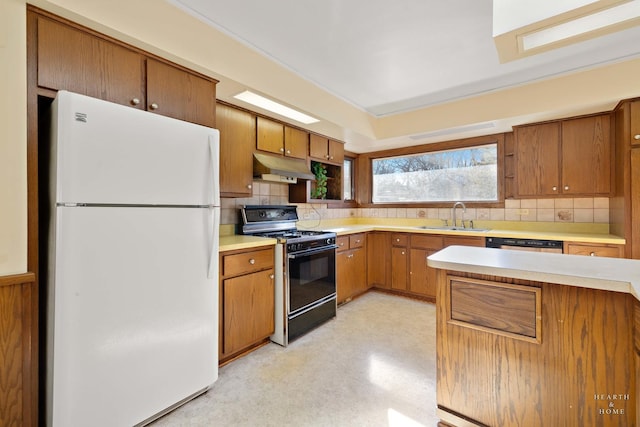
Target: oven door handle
x=312 y=251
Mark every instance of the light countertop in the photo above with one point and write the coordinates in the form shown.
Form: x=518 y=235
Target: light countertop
x=574 y=234
x=583 y=237
x=610 y=274
x=236 y=241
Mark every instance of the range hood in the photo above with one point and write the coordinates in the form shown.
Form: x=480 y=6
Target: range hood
x=280 y=169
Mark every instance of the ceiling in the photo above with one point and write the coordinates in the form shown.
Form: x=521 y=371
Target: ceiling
x=393 y=60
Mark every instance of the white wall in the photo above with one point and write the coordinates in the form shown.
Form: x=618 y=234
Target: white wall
x=13 y=137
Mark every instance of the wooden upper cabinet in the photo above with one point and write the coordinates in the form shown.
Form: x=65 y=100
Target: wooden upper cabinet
x=69 y=58
x=296 y=142
x=325 y=149
x=179 y=94
x=635 y=122
x=570 y=157
x=537 y=159
x=586 y=155
x=73 y=60
x=237 y=143
x=277 y=138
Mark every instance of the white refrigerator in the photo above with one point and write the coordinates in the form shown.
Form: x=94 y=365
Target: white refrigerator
x=132 y=288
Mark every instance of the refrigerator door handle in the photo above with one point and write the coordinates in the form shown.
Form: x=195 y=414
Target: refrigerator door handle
x=214 y=156
x=212 y=270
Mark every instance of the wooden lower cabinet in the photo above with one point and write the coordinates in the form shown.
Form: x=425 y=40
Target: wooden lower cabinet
x=564 y=357
x=351 y=266
x=422 y=277
x=400 y=261
x=247 y=300
x=378 y=259
x=591 y=249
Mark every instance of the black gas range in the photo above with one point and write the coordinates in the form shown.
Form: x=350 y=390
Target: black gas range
x=305 y=271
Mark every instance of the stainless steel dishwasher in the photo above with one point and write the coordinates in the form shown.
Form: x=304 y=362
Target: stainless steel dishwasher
x=533 y=245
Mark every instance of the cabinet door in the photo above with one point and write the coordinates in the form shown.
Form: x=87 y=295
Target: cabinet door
x=248 y=310
x=359 y=271
x=270 y=136
x=179 y=94
x=237 y=142
x=635 y=122
x=296 y=142
x=336 y=151
x=586 y=155
x=73 y=60
x=378 y=258
x=418 y=277
x=537 y=160
x=399 y=268
x=318 y=147
x=344 y=276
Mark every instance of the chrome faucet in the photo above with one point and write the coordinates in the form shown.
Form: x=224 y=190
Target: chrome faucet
x=453 y=212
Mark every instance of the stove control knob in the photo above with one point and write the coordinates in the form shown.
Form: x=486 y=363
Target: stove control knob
x=329 y=241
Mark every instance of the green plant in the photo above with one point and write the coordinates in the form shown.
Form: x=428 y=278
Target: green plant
x=320 y=190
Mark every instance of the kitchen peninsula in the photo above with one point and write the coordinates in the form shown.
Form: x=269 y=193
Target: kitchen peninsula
x=536 y=338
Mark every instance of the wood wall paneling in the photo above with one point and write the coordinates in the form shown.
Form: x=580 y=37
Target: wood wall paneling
x=18 y=350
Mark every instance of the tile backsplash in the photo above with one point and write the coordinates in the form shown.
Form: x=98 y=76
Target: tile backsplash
x=578 y=210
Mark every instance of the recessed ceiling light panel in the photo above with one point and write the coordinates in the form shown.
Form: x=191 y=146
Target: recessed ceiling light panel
x=275 y=107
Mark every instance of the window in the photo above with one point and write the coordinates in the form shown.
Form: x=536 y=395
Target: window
x=347 y=179
x=461 y=174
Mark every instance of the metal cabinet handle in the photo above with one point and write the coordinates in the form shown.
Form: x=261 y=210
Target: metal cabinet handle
x=249 y=186
x=271 y=276
x=398 y=240
x=288 y=151
x=341 y=243
x=282 y=150
x=566 y=187
x=554 y=188
x=402 y=252
x=135 y=101
x=358 y=241
x=636 y=137
x=592 y=254
x=153 y=106
x=331 y=158
x=252 y=261
x=350 y=256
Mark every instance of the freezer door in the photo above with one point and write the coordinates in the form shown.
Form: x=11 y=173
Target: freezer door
x=112 y=154
x=133 y=318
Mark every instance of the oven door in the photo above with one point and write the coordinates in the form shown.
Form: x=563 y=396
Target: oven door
x=311 y=277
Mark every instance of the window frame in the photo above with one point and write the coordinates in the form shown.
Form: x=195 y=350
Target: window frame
x=366 y=160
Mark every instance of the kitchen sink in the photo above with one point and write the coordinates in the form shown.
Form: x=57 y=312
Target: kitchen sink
x=450 y=228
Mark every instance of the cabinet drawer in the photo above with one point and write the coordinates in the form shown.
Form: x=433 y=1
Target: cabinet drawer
x=343 y=243
x=247 y=262
x=426 y=242
x=614 y=251
x=398 y=239
x=356 y=241
x=463 y=241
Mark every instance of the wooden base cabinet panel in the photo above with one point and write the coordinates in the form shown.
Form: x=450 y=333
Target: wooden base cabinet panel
x=351 y=266
x=18 y=351
x=580 y=373
x=247 y=300
x=248 y=310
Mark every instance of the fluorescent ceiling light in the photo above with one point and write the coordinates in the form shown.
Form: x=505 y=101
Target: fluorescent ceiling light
x=581 y=26
x=274 y=107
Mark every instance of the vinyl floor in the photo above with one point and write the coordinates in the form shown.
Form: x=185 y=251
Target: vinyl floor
x=373 y=365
